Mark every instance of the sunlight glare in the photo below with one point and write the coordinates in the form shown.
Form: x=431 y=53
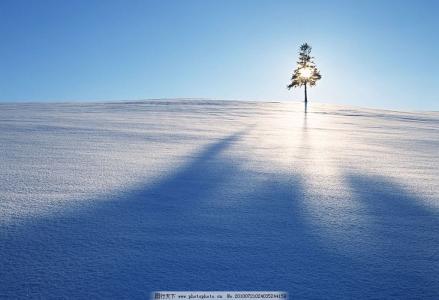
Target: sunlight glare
x=305 y=72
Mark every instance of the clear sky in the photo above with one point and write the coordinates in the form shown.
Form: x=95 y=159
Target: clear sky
x=370 y=53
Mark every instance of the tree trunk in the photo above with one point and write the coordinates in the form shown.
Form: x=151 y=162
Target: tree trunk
x=306 y=99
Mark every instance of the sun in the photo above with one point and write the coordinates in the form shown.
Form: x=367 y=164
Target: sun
x=305 y=72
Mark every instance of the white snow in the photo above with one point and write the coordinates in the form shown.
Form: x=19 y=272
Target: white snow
x=115 y=200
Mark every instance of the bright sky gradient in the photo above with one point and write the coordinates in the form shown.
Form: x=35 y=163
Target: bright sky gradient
x=370 y=53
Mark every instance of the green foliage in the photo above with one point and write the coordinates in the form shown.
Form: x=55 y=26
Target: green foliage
x=305 y=63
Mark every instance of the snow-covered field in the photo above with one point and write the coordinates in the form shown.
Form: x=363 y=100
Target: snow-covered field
x=115 y=200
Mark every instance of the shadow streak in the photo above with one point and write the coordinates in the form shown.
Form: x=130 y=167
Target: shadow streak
x=402 y=237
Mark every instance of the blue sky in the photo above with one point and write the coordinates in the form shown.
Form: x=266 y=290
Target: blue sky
x=370 y=53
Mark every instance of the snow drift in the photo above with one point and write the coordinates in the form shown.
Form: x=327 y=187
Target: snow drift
x=115 y=200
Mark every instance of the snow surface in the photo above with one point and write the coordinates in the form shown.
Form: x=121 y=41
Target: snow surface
x=115 y=200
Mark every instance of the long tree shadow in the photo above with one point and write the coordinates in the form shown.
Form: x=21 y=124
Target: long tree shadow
x=116 y=247
x=402 y=236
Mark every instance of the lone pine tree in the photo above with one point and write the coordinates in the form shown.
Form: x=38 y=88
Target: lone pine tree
x=306 y=72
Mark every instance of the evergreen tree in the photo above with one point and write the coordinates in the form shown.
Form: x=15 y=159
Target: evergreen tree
x=306 y=72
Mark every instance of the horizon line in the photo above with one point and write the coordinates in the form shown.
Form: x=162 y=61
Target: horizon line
x=139 y=100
